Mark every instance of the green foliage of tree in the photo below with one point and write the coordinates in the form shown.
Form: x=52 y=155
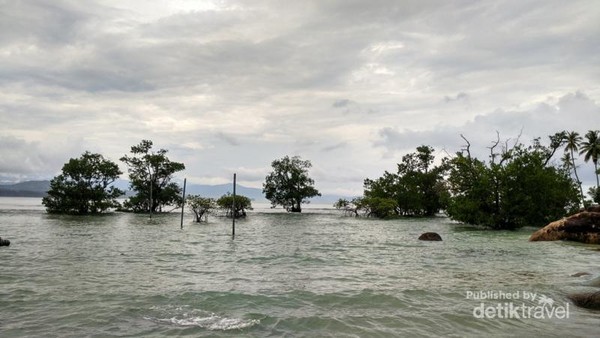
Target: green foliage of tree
x=594 y=192
x=84 y=186
x=201 y=206
x=417 y=188
x=288 y=184
x=517 y=187
x=379 y=207
x=348 y=207
x=242 y=203
x=368 y=207
x=150 y=175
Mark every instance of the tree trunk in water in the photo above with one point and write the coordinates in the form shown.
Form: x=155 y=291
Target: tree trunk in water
x=296 y=207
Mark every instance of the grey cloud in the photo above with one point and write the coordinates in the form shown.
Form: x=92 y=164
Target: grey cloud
x=37 y=159
x=352 y=107
x=205 y=46
x=462 y=96
x=176 y=51
x=228 y=139
x=333 y=147
x=341 y=103
x=309 y=73
x=251 y=174
x=43 y=22
x=571 y=112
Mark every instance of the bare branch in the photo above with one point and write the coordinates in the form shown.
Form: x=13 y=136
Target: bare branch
x=447 y=153
x=492 y=154
x=506 y=145
x=468 y=146
x=518 y=139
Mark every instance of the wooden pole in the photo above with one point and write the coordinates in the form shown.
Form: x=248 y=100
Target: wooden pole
x=233 y=209
x=183 y=202
x=151 y=184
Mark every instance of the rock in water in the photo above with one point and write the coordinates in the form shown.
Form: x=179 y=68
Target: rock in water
x=4 y=242
x=430 y=236
x=582 y=227
x=593 y=282
x=579 y=274
x=588 y=300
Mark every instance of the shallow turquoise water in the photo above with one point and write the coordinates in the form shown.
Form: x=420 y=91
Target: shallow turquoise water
x=313 y=274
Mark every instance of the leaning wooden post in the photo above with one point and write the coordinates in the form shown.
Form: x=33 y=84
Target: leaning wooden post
x=183 y=202
x=233 y=209
x=151 y=202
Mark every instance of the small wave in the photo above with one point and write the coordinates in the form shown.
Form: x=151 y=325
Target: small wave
x=214 y=322
x=203 y=319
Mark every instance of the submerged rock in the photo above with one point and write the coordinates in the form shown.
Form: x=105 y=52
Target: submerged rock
x=4 y=242
x=430 y=236
x=593 y=282
x=582 y=227
x=579 y=274
x=588 y=300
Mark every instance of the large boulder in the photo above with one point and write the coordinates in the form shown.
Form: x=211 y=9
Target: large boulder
x=430 y=236
x=582 y=227
x=588 y=300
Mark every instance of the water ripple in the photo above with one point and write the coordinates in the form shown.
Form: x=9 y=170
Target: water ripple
x=315 y=274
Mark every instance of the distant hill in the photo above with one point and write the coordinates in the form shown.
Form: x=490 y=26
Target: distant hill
x=216 y=191
x=39 y=189
x=25 y=189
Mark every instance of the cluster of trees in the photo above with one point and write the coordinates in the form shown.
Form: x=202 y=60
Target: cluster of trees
x=288 y=185
x=519 y=185
x=85 y=184
x=590 y=149
x=415 y=189
x=230 y=206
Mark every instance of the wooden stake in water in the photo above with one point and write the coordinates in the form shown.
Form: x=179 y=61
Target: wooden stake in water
x=151 y=202
x=233 y=209
x=183 y=203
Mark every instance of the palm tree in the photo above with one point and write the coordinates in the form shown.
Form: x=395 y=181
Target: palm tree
x=572 y=141
x=566 y=160
x=591 y=148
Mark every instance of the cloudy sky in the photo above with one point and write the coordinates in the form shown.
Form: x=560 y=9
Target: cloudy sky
x=228 y=86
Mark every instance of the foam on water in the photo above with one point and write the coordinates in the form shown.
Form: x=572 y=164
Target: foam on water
x=214 y=322
x=186 y=316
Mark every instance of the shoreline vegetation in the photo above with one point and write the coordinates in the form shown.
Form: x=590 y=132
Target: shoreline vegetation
x=517 y=185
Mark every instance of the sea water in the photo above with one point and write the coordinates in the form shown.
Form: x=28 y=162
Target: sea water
x=315 y=274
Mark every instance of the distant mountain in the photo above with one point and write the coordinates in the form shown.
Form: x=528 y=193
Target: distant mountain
x=25 y=189
x=216 y=191
x=255 y=194
x=39 y=189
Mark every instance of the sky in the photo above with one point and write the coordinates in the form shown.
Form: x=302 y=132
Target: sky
x=230 y=86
